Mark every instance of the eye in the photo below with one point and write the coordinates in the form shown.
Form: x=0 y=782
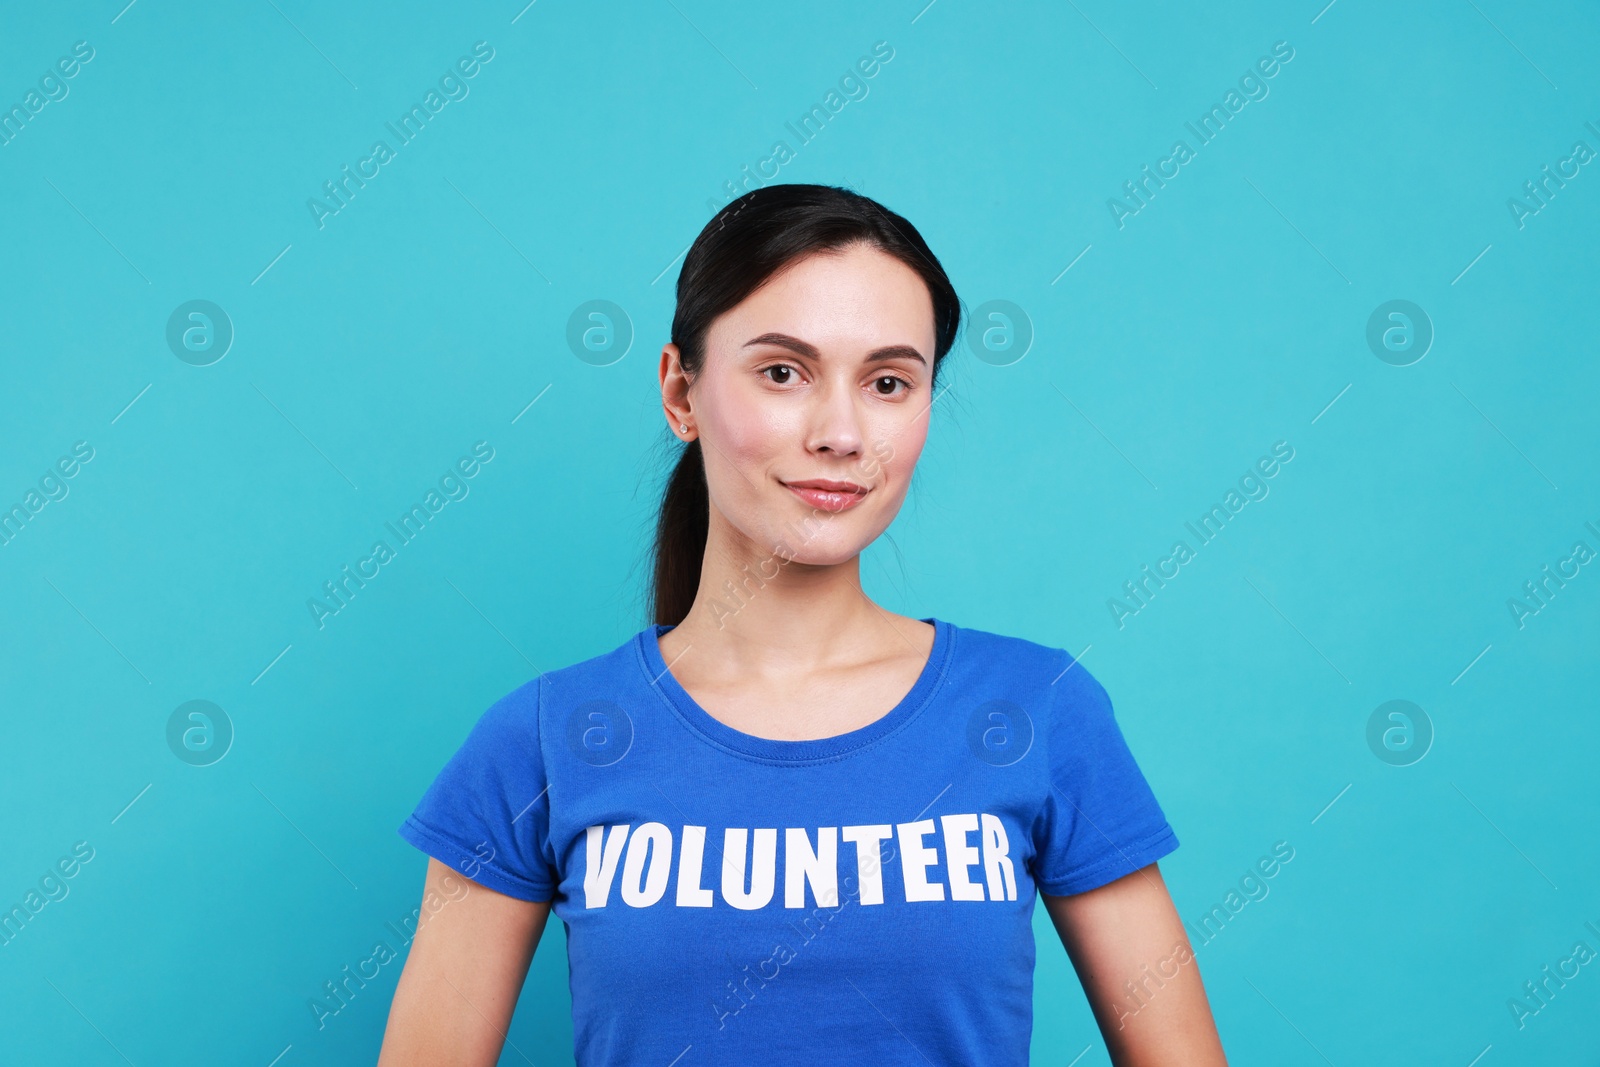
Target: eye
x=885 y=385
x=784 y=373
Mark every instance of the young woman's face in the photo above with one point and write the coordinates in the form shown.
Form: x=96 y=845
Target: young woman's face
x=812 y=403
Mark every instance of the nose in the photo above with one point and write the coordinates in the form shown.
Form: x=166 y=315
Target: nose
x=834 y=421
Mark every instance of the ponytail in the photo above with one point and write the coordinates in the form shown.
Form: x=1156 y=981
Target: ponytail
x=680 y=538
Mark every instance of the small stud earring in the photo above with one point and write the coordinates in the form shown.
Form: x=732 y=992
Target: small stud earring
x=683 y=427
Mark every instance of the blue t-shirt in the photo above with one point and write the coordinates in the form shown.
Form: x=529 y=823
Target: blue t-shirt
x=730 y=899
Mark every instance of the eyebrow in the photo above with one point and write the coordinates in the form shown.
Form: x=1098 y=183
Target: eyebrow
x=794 y=344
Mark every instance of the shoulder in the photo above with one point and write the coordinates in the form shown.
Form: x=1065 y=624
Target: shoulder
x=1014 y=650
x=570 y=685
x=513 y=728
x=1064 y=701
x=1057 y=669
x=606 y=672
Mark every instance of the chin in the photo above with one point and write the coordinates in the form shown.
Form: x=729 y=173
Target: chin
x=812 y=556
x=834 y=544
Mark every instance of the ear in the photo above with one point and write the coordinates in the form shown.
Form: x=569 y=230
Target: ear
x=675 y=394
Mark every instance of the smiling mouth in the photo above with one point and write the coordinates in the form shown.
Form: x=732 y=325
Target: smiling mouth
x=827 y=495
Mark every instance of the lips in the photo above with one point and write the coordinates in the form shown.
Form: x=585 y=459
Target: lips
x=826 y=495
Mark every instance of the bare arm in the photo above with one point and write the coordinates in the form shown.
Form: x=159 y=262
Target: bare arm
x=460 y=983
x=1136 y=964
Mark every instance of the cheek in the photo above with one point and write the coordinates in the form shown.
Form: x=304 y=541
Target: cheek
x=896 y=448
x=745 y=431
x=741 y=441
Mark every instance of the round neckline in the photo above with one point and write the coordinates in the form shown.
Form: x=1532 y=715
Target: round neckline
x=767 y=749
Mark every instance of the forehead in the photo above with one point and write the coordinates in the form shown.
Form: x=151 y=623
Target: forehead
x=845 y=300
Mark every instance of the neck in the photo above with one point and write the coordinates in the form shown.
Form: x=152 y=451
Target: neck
x=753 y=605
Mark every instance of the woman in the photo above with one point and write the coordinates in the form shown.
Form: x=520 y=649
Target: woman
x=783 y=824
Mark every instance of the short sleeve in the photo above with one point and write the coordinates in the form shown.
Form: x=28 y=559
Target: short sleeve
x=1100 y=820
x=487 y=814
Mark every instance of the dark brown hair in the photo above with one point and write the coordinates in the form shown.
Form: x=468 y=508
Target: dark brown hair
x=739 y=250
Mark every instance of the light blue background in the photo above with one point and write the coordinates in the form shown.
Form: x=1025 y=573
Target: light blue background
x=1223 y=317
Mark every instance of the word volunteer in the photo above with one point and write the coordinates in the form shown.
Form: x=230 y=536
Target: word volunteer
x=749 y=874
